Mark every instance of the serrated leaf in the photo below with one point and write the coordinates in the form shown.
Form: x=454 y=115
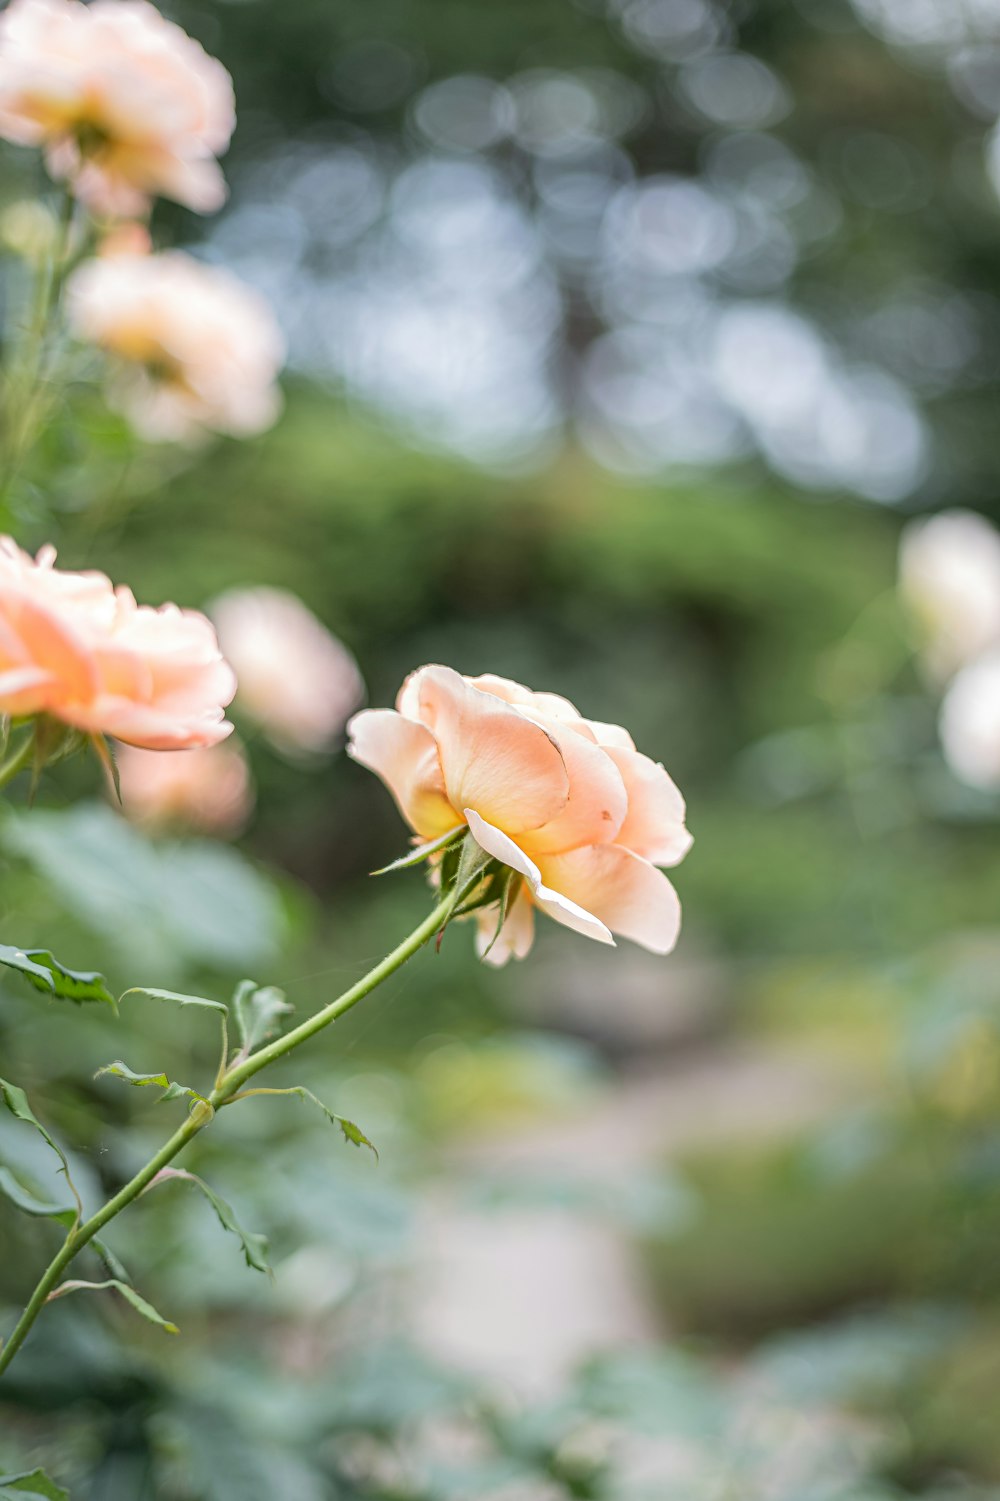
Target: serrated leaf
x=423 y=851
x=176 y=996
x=254 y=1245
x=257 y=1009
x=32 y=1483
x=128 y=1293
x=45 y=972
x=171 y=1090
x=349 y=1130
x=16 y=1102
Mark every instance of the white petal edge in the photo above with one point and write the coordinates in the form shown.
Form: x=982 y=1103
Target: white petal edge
x=498 y=844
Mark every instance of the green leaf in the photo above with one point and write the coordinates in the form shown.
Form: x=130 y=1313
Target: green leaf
x=45 y=972
x=171 y=1091
x=254 y=1246
x=17 y=1103
x=31 y=1483
x=348 y=1129
x=174 y=995
x=129 y=1293
x=29 y=1202
x=194 y=903
x=424 y=851
x=257 y=1009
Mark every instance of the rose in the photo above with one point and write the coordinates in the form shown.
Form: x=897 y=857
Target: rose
x=949 y=573
x=568 y=804
x=295 y=679
x=208 y=789
x=74 y=647
x=125 y=103
x=194 y=346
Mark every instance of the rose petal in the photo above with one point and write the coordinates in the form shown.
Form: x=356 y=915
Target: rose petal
x=553 y=903
x=405 y=756
x=597 y=804
x=631 y=896
x=493 y=758
x=654 y=824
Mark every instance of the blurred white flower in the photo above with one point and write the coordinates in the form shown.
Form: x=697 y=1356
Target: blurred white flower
x=949 y=574
x=295 y=679
x=970 y=723
x=208 y=790
x=195 y=347
x=126 y=105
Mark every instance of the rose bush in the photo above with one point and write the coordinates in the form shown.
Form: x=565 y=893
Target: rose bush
x=569 y=804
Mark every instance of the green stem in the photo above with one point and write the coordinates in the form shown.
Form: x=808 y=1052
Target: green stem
x=238 y=1075
x=78 y=1238
x=201 y=1116
x=17 y=761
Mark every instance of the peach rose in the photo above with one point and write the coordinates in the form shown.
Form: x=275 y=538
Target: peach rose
x=126 y=105
x=949 y=575
x=195 y=347
x=209 y=790
x=566 y=802
x=74 y=647
x=296 y=680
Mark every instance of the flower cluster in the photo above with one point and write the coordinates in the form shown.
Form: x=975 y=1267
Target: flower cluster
x=126 y=105
x=949 y=570
x=84 y=653
x=567 y=803
x=193 y=346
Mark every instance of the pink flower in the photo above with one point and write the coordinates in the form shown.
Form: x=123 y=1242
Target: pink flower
x=296 y=680
x=195 y=347
x=126 y=105
x=566 y=802
x=209 y=790
x=74 y=647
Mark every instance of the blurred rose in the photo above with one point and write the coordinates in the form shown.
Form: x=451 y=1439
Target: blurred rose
x=296 y=680
x=196 y=347
x=949 y=571
x=566 y=802
x=74 y=647
x=970 y=723
x=208 y=790
x=127 y=106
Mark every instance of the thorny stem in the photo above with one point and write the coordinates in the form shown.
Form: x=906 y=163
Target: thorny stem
x=202 y=1113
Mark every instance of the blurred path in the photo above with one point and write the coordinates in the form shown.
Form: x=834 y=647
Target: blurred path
x=523 y=1294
